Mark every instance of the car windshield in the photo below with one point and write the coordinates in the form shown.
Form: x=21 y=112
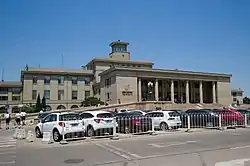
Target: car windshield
x=104 y=115
x=69 y=117
x=173 y=114
x=40 y=116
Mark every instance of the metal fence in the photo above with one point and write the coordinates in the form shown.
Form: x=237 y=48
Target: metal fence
x=141 y=124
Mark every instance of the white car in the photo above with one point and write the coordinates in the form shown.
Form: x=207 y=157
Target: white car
x=98 y=121
x=68 y=123
x=165 y=120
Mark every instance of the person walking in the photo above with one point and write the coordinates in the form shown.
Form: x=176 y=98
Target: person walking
x=7 y=119
x=1 y=117
x=23 y=114
x=18 y=119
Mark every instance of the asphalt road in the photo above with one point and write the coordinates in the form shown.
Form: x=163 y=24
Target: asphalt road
x=189 y=149
x=8 y=150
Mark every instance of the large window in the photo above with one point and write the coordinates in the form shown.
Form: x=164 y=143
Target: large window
x=3 y=98
x=47 y=94
x=34 y=80
x=34 y=94
x=16 y=90
x=47 y=80
x=74 y=95
x=3 y=90
x=74 y=80
x=87 y=80
x=60 y=79
x=16 y=98
x=108 y=82
x=60 y=94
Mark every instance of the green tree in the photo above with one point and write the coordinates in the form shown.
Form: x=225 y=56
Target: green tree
x=91 y=101
x=29 y=108
x=43 y=105
x=38 y=104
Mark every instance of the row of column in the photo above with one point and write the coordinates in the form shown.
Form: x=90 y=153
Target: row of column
x=172 y=91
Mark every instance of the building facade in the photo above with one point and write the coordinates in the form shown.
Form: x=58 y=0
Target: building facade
x=237 y=96
x=10 y=94
x=119 y=79
x=61 y=88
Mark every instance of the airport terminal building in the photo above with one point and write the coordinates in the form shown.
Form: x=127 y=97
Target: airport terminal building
x=118 y=79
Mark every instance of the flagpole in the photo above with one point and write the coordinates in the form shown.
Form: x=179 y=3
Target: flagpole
x=62 y=60
x=3 y=74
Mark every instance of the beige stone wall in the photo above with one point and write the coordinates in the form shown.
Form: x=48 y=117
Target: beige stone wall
x=27 y=89
x=111 y=90
x=126 y=84
x=224 y=93
x=120 y=56
x=99 y=68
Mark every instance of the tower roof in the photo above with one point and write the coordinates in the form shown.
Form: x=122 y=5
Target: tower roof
x=118 y=43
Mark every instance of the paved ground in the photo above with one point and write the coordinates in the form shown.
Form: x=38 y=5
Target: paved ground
x=210 y=148
x=190 y=149
x=8 y=150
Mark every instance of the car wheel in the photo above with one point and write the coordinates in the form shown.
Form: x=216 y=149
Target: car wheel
x=57 y=136
x=163 y=126
x=38 y=133
x=90 y=132
x=209 y=124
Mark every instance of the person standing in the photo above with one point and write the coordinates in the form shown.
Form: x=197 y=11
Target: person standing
x=7 y=119
x=23 y=114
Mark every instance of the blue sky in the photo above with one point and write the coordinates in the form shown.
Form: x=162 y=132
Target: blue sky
x=212 y=36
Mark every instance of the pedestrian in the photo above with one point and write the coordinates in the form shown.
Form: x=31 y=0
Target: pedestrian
x=7 y=119
x=23 y=114
x=1 y=116
x=18 y=119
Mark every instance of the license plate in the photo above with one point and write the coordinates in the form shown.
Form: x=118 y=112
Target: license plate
x=108 y=121
x=74 y=125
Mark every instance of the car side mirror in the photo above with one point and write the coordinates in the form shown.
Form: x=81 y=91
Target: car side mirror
x=42 y=120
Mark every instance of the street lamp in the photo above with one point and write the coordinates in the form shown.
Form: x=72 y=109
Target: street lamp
x=150 y=90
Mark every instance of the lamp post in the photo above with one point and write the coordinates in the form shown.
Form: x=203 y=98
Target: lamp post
x=150 y=90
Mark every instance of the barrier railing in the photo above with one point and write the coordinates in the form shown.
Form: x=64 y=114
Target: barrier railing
x=113 y=127
x=214 y=120
x=134 y=124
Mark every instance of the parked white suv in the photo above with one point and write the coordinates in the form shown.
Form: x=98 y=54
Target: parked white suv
x=165 y=120
x=98 y=121
x=54 y=123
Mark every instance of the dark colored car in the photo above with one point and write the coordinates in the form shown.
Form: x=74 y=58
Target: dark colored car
x=132 y=122
x=245 y=112
x=200 y=118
